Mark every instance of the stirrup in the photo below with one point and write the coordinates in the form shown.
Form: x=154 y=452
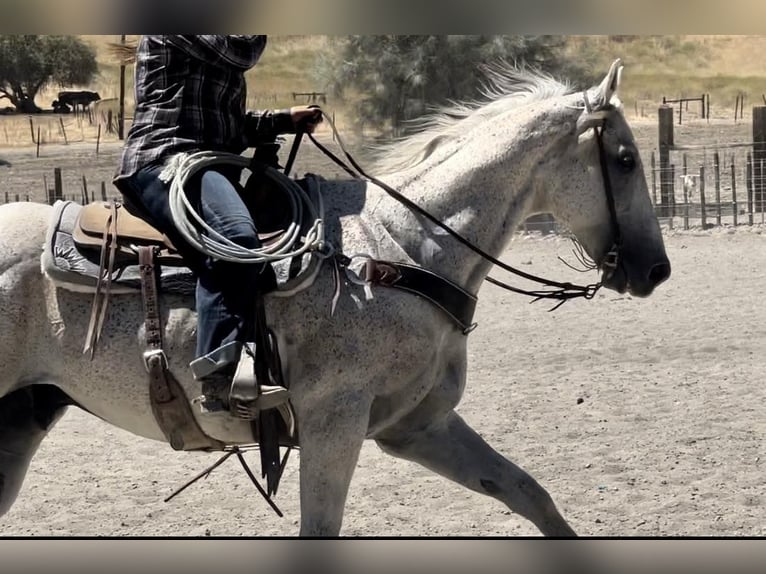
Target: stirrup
x=246 y=399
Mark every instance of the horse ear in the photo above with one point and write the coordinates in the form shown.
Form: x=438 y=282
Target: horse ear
x=598 y=97
x=611 y=82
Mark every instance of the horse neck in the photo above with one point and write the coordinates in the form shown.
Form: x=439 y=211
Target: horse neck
x=482 y=186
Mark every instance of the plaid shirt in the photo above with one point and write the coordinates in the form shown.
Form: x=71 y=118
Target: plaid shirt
x=190 y=96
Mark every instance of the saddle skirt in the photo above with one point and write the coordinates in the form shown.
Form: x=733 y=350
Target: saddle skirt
x=72 y=267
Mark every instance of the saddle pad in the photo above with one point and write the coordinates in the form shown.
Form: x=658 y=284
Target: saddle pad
x=68 y=268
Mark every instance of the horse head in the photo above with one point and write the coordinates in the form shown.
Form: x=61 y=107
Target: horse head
x=603 y=196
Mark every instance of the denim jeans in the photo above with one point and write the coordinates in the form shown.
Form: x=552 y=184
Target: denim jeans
x=225 y=291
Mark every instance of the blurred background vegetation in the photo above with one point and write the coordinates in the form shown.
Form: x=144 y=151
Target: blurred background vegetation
x=380 y=82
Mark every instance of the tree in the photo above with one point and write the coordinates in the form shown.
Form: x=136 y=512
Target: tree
x=398 y=78
x=28 y=63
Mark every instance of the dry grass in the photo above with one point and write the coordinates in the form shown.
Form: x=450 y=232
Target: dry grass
x=656 y=66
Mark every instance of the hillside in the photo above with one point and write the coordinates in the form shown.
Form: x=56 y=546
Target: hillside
x=655 y=66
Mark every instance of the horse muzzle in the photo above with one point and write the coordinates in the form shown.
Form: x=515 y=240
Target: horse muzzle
x=638 y=280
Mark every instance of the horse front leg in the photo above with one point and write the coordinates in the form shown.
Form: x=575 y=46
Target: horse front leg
x=331 y=436
x=453 y=449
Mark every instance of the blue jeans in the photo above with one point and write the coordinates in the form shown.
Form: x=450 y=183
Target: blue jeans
x=225 y=291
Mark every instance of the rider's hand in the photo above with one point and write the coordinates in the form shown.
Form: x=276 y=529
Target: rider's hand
x=306 y=118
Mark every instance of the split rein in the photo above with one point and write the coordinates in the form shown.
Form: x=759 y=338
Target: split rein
x=562 y=292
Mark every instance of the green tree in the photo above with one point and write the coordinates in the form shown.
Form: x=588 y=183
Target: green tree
x=397 y=78
x=28 y=63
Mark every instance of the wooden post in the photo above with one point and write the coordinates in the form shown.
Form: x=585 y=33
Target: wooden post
x=703 y=205
x=749 y=183
x=733 y=191
x=759 y=154
x=98 y=138
x=63 y=130
x=38 y=142
x=6 y=197
x=673 y=191
x=717 y=173
x=654 y=179
x=32 y=129
x=121 y=118
x=686 y=206
x=58 y=187
x=84 y=197
x=665 y=144
x=103 y=191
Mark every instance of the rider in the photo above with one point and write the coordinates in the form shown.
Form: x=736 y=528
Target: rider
x=190 y=96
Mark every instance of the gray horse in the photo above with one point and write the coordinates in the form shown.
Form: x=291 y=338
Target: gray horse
x=385 y=365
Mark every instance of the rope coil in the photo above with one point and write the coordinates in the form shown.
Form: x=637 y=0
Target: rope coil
x=205 y=239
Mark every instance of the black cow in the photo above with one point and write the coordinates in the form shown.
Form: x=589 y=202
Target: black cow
x=74 y=99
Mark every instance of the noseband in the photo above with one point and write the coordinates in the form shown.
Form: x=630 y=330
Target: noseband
x=612 y=258
x=562 y=292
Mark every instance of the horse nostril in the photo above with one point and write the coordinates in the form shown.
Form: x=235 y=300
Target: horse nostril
x=659 y=273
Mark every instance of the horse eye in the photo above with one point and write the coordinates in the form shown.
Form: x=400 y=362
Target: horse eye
x=626 y=160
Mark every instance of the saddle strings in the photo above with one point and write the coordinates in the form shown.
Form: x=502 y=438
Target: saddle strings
x=562 y=291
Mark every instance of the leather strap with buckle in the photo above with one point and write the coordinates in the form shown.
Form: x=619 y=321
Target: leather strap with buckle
x=170 y=405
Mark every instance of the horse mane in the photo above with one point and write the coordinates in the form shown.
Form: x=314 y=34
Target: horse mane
x=506 y=86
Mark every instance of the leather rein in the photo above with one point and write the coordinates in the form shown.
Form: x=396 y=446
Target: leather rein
x=560 y=291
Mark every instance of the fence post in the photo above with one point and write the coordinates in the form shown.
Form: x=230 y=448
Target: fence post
x=665 y=144
x=733 y=191
x=84 y=197
x=63 y=130
x=703 y=203
x=58 y=192
x=717 y=172
x=759 y=154
x=686 y=206
x=749 y=182
x=673 y=195
x=654 y=180
x=121 y=113
x=103 y=191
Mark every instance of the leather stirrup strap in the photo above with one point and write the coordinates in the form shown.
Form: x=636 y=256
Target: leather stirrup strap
x=109 y=269
x=105 y=273
x=170 y=405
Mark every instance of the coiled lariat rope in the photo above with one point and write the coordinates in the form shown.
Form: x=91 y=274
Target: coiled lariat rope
x=205 y=239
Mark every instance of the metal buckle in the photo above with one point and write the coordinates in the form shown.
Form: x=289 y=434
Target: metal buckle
x=148 y=355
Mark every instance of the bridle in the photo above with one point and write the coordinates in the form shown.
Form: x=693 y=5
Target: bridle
x=559 y=291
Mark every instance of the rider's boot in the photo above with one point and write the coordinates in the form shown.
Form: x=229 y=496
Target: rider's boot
x=215 y=371
x=228 y=382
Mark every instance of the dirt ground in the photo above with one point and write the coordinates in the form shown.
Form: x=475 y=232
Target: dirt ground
x=640 y=417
